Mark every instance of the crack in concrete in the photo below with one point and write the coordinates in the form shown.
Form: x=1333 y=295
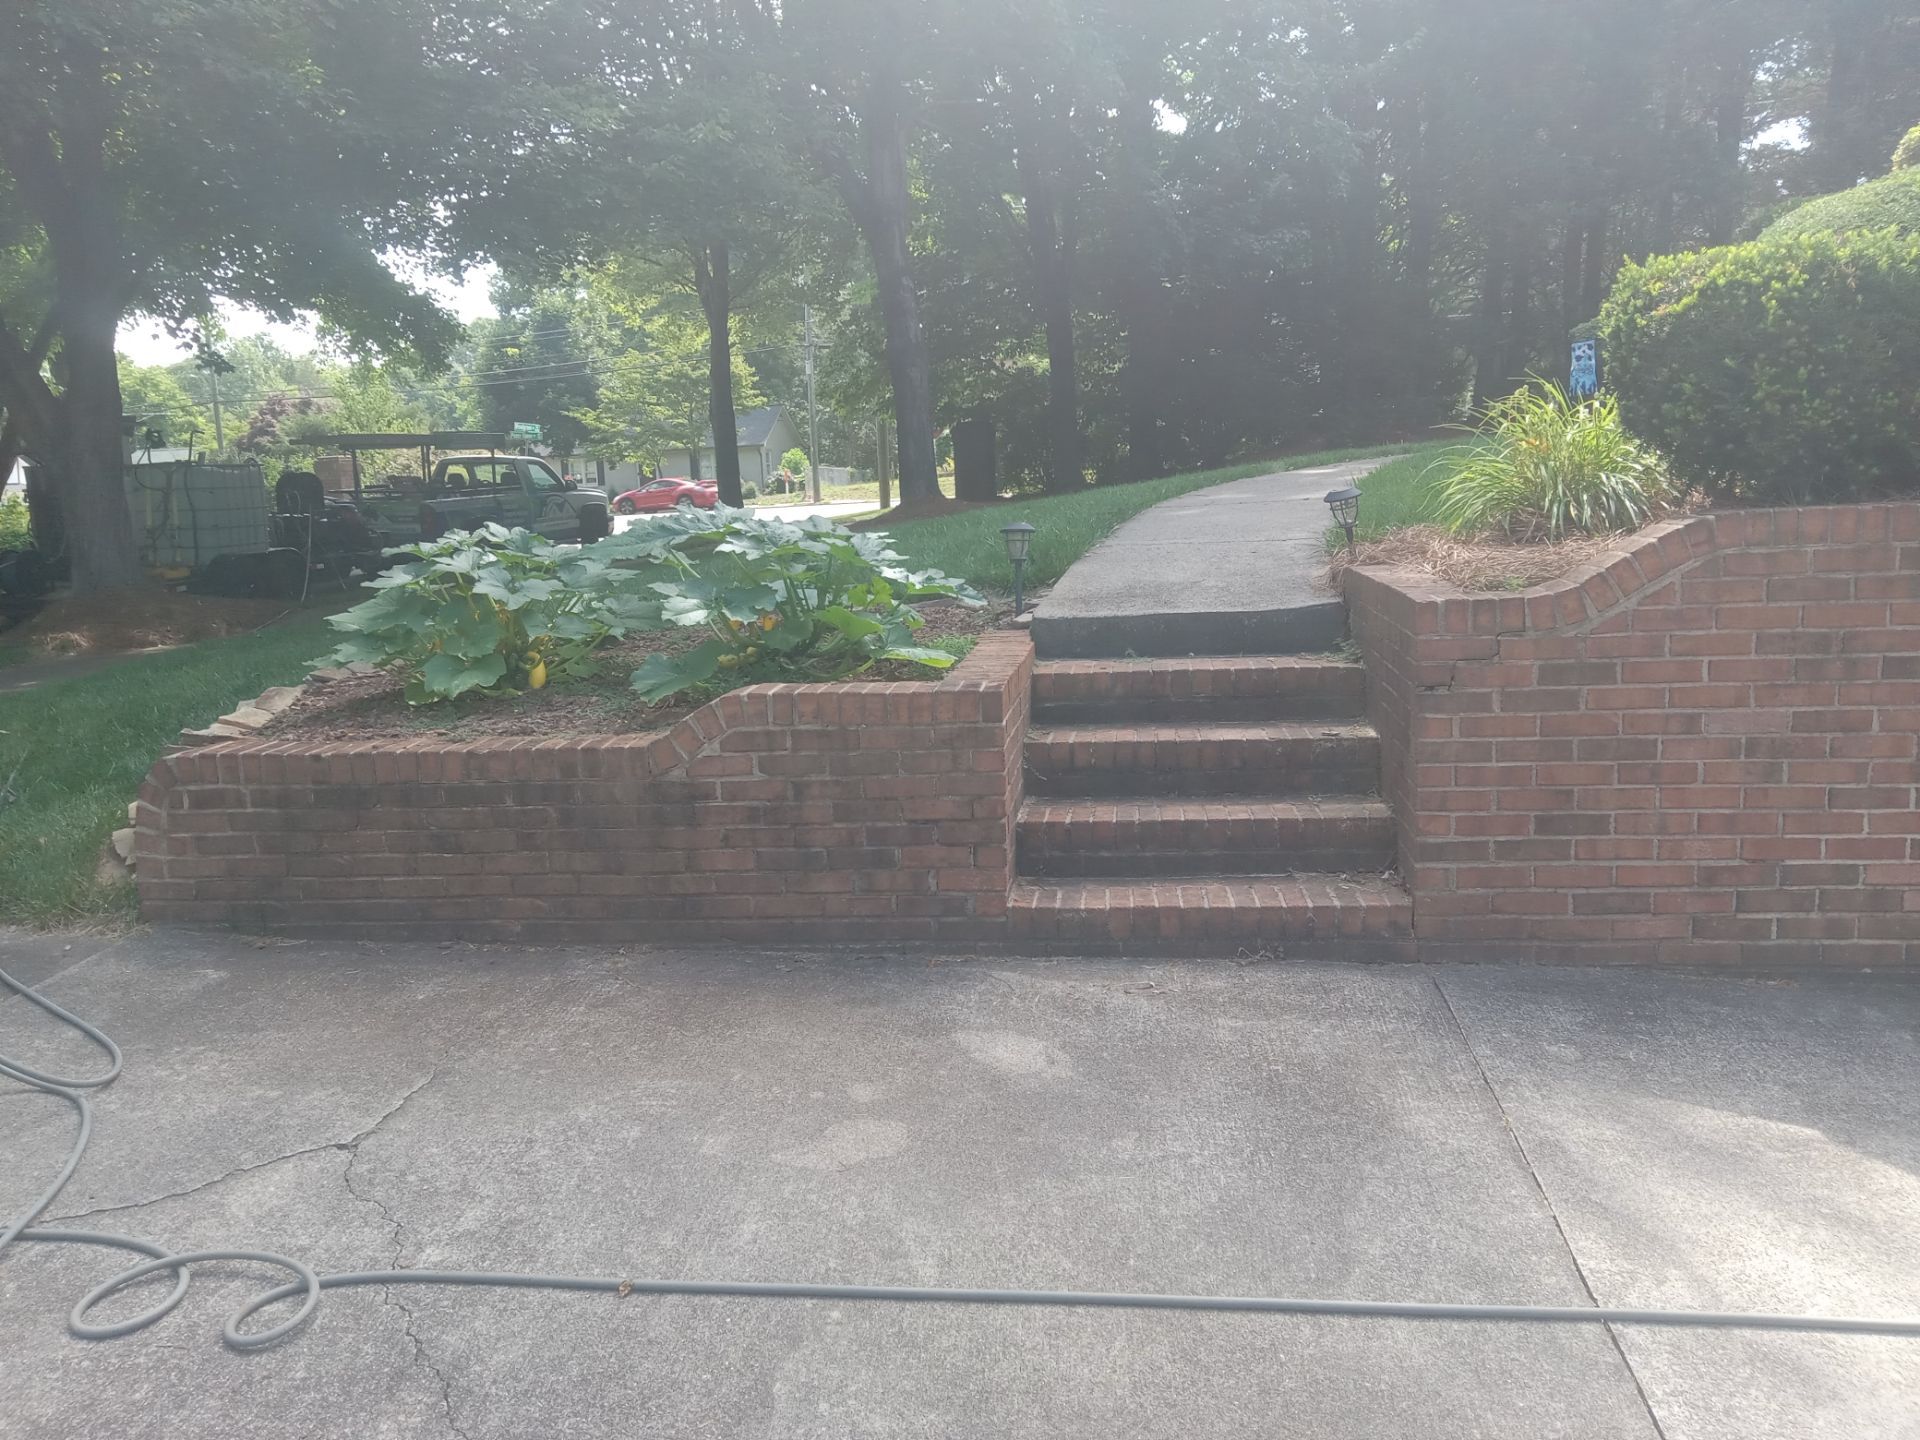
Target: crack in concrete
x=1566 y=1241
x=388 y=1297
x=350 y=1144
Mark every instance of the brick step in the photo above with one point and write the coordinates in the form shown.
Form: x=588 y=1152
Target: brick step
x=1150 y=837
x=1349 y=916
x=1210 y=759
x=1240 y=687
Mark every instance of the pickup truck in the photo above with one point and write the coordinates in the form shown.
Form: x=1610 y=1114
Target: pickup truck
x=461 y=491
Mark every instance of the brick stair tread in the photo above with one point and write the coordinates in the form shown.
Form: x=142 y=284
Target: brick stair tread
x=1213 y=908
x=1252 y=670
x=1045 y=813
x=1195 y=731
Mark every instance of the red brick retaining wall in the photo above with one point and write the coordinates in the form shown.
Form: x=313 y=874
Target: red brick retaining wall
x=1698 y=750
x=777 y=812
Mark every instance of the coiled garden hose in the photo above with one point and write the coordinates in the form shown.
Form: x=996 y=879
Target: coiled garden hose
x=308 y=1285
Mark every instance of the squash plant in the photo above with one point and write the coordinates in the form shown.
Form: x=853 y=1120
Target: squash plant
x=491 y=612
x=780 y=600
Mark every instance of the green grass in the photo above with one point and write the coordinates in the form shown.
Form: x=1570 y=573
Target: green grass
x=78 y=749
x=1398 y=494
x=968 y=545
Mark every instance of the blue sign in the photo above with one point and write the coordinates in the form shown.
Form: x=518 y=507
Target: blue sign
x=1584 y=381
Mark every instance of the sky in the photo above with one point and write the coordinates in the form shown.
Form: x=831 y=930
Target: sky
x=145 y=343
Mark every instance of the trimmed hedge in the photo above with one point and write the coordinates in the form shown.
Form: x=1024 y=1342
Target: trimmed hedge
x=1784 y=370
x=1889 y=203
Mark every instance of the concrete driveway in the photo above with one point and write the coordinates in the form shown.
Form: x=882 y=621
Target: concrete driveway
x=1464 y=1135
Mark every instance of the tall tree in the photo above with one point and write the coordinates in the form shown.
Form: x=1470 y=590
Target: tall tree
x=155 y=156
x=859 y=71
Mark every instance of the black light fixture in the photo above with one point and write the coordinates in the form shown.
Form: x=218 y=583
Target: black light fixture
x=1345 y=505
x=1019 y=538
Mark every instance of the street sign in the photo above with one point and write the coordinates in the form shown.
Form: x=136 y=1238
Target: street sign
x=526 y=430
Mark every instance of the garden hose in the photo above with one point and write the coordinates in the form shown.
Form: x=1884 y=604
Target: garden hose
x=307 y=1284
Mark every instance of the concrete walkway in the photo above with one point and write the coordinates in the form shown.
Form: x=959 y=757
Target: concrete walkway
x=1231 y=570
x=1467 y=1135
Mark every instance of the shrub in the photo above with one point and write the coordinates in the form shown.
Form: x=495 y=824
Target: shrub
x=490 y=612
x=1906 y=155
x=1889 y=203
x=1543 y=464
x=16 y=529
x=1781 y=370
x=780 y=601
x=794 y=462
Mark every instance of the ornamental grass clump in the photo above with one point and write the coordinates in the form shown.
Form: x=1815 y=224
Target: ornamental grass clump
x=1543 y=465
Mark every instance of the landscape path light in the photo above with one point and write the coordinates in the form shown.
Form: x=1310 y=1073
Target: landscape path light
x=1345 y=505
x=1019 y=538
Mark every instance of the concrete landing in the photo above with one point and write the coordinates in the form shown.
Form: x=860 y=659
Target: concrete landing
x=1230 y=570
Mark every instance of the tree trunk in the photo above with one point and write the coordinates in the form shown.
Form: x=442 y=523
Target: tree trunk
x=87 y=448
x=1139 y=292
x=1050 y=249
x=1518 y=358
x=1571 y=288
x=886 y=215
x=713 y=282
x=1729 y=134
x=1489 y=346
x=1593 y=285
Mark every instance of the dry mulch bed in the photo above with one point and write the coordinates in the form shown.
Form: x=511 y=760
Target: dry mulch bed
x=1485 y=563
x=372 y=707
x=142 y=619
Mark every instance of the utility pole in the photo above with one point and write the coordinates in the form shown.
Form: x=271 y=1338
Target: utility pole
x=813 y=414
x=219 y=425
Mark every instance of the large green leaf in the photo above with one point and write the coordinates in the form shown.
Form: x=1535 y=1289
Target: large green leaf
x=850 y=623
x=448 y=677
x=660 y=676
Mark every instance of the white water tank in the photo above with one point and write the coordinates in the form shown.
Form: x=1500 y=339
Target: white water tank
x=186 y=512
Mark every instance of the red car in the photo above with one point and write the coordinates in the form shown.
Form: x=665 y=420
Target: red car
x=665 y=494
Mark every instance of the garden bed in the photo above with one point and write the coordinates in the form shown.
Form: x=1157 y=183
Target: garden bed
x=372 y=707
x=1483 y=563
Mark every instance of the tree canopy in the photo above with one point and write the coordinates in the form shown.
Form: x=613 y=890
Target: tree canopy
x=1134 y=235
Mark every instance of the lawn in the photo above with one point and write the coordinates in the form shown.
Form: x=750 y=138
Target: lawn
x=968 y=545
x=77 y=750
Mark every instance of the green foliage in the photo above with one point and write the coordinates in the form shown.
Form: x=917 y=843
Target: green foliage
x=156 y=396
x=794 y=462
x=1889 y=203
x=490 y=611
x=16 y=526
x=1906 y=155
x=654 y=396
x=1777 y=371
x=1543 y=464
x=778 y=601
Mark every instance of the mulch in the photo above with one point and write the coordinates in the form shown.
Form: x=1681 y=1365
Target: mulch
x=372 y=707
x=138 y=619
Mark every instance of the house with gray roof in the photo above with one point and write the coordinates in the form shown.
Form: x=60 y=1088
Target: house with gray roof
x=765 y=435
